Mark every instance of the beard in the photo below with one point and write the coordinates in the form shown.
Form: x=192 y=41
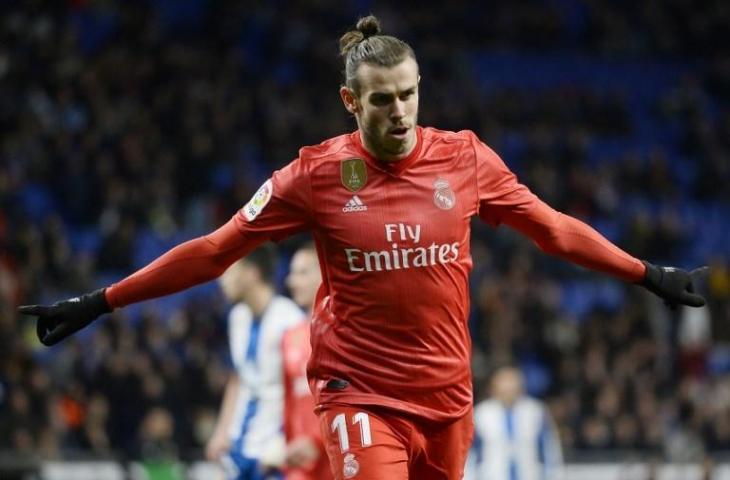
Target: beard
x=383 y=146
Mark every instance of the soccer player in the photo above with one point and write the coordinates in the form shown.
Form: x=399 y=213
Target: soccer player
x=515 y=438
x=306 y=458
x=389 y=206
x=248 y=438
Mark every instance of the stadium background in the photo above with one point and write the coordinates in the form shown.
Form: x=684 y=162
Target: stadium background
x=127 y=127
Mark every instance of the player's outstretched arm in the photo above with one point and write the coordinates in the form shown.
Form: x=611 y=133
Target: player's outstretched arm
x=569 y=238
x=502 y=199
x=278 y=209
x=186 y=265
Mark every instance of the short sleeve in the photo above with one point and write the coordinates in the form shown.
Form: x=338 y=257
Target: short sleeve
x=499 y=192
x=280 y=207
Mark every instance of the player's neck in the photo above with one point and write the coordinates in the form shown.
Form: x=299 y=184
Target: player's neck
x=258 y=298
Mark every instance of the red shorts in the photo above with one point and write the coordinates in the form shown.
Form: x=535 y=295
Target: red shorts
x=372 y=443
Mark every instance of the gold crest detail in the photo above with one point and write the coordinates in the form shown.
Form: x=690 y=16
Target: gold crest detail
x=353 y=173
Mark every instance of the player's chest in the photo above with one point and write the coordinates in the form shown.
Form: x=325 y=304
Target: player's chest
x=358 y=204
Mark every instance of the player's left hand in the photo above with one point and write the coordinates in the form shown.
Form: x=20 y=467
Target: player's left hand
x=674 y=285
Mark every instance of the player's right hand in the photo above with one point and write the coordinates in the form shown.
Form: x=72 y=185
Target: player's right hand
x=58 y=321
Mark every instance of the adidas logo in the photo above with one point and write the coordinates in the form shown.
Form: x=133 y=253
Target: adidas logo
x=354 y=205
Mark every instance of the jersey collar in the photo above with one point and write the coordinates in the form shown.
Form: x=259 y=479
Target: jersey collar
x=393 y=168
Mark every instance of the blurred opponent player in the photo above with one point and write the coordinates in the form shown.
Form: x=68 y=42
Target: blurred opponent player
x=390 y=208
x=515 y=437
x=248 y=437
x=306 y=458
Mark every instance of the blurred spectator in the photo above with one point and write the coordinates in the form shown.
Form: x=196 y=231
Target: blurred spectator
x=157 y=447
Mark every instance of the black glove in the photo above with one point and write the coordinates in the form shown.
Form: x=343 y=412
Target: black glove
x=63 y=318
x=674 y=285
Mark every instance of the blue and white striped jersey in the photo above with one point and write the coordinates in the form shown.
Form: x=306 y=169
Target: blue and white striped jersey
x=256 y=354
x=517 y=443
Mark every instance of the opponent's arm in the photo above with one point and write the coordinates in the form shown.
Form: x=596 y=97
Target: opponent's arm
x=220 y=442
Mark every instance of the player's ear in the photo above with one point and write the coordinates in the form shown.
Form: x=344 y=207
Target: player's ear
x=349 y=99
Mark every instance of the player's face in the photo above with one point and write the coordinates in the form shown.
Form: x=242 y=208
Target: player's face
x=387 y=108
x=304 y=278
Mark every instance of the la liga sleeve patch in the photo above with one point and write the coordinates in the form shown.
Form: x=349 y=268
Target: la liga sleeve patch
x=259 y=200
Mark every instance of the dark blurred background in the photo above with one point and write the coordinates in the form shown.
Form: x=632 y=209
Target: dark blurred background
x=129 y=126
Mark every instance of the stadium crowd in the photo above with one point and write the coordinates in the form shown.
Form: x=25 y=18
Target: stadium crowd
x=126 y=125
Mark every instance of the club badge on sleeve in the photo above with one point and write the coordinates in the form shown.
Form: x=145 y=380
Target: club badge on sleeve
x=259 y=200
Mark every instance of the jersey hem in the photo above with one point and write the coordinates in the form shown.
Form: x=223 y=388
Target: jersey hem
x=425 y=413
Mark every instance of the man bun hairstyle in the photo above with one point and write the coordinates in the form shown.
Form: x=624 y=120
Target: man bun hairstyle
x=366 y=44
x=366 y=27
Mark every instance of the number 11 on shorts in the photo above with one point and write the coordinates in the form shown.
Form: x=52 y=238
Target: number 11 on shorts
x=339 y=424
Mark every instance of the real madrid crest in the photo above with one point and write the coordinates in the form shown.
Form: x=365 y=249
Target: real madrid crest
x=353 y=173
x=350 y=466
x=443 y=196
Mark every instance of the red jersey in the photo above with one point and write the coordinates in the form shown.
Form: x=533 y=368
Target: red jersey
x=393 y=244
x=299 y=418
